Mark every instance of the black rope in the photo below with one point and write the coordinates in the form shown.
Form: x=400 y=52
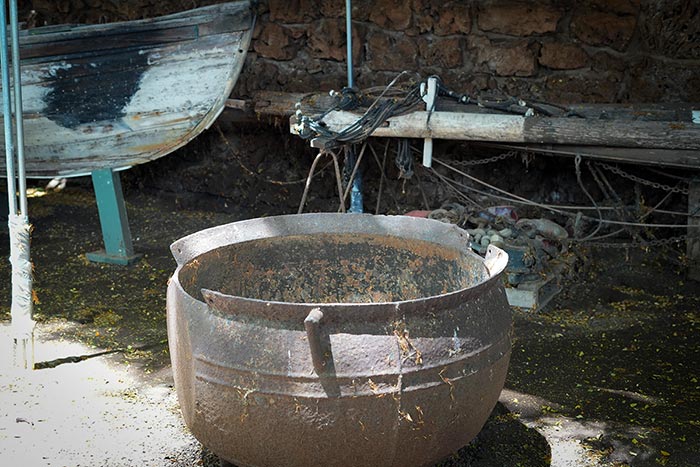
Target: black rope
x=509 y=105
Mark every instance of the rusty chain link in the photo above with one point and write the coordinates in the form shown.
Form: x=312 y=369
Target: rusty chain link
x=634 y=178
x=487 y=160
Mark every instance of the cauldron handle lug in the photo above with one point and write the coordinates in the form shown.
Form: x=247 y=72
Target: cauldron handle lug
x=179 y=252
x=495 y=260
x=312 y=323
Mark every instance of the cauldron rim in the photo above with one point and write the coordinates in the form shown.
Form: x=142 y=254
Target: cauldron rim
x=194 y=245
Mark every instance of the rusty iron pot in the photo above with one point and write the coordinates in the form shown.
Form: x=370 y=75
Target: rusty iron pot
x=336 y=339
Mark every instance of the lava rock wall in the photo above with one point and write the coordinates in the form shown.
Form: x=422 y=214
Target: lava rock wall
x=561 y=51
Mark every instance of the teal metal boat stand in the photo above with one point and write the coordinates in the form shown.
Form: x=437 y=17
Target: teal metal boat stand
x=113 y=220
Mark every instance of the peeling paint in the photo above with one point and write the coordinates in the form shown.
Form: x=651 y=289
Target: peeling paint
x=126 y=107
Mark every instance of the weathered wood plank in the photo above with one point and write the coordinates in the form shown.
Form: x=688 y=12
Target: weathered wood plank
x=167 y=79
x=45 y=44
x=669 y=112
x=236 y=16
x=540 y=130
x=641 y=134
x=112 y=43
x=283 y=104
x=604 y=112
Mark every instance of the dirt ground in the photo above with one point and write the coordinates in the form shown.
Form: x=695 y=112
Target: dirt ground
x=606 y=375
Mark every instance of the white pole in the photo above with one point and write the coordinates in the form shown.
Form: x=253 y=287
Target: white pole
x=18 y=222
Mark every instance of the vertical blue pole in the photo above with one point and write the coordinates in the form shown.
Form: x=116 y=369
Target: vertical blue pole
x=19 y=121
x=356 y=192
x=7 y=114
x=348 y=40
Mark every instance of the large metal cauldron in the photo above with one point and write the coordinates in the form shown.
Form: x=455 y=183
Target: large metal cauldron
x=336 y=339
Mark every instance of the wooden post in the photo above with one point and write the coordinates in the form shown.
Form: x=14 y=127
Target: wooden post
x=693 y=242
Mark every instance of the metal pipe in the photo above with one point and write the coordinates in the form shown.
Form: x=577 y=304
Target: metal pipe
x=20 y=230
x=356 y=195
x=355 y=181
x=355 y=161
x=19 y=123
x=7 y=113
x=348 y=40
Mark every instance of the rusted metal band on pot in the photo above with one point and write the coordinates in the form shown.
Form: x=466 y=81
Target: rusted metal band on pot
x=208 y=370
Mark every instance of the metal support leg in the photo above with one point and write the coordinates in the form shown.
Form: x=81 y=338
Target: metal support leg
x=693 y=241
x=113 y=220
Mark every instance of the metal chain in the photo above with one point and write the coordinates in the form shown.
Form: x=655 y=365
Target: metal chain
x=634 y=178
x=487 y=160
x=659 y=242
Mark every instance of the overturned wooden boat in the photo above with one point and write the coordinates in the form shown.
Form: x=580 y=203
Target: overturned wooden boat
x=102 y=98
x=111 y=96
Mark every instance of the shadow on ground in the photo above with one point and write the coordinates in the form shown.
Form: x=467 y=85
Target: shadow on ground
x=616 y=359
x=504 y=440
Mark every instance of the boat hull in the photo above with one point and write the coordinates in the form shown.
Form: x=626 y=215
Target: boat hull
x=113 y=96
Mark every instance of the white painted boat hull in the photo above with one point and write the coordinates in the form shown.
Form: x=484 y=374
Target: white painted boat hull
x=100 y=106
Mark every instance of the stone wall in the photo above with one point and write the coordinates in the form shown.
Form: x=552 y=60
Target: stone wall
x=556 y=50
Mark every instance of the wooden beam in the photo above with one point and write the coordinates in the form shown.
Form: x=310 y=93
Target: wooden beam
x=600 y=116
x=239 y=104
x=538 y=130
x=675 y=112
x=283 y=104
